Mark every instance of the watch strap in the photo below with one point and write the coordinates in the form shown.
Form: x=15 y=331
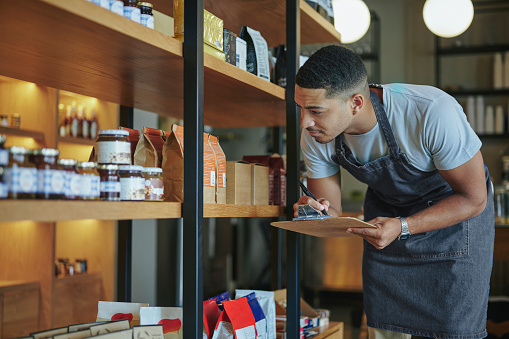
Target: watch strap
x=405 y=234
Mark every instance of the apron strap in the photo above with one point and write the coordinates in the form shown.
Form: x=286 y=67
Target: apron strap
x=383 y=122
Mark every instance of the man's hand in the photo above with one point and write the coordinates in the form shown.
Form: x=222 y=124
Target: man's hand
x=388 y=229
x=320 y=205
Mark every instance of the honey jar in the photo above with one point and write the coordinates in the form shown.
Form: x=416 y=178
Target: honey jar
x=90 y=181
x=72 y=178
x=154 y=185
x=113 y=147
x=20 y=174
x=110 y=182
x=50 y=178
x=132 y=183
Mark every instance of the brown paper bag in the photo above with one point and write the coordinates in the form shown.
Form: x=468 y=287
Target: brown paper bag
x=149 y=149
x=220 y=160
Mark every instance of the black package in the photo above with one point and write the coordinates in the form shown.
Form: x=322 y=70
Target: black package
x=257 y=59
x=280 y=69
x=229 y=46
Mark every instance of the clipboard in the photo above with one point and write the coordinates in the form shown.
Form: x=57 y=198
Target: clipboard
x=323 y=227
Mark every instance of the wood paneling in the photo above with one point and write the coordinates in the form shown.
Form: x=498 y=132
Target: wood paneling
x=20 y=311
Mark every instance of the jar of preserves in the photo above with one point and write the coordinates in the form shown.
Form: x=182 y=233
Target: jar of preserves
x=3 y=185
x=4 y=160
x=72 y=178
x=15 y=120
x=110 y=182
x=117 y=6
x=113 y=147
x=20 y=174
x=146 y=17
x=131 y=10
x=90 y=181
x=4 y=120
x=132 y=183
x=154 y=184
x=50 y=178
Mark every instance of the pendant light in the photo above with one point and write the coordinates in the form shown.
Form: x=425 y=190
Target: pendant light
x=448 y=18
x=351 y=19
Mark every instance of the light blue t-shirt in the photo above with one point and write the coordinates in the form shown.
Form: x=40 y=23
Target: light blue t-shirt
x=428 y=124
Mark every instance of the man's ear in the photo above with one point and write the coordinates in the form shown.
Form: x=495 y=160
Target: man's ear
x=357 y=102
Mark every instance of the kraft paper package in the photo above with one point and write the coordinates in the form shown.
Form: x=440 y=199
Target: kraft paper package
x=133 y=138
x=148 y=152
x=257 y=60
x=220 y=162
x=268 y=305
x=169 y=317
x=107 y=310
x=173 y=167
x=236 y=321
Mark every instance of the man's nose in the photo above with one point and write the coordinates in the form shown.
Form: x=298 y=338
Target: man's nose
x=306 y=120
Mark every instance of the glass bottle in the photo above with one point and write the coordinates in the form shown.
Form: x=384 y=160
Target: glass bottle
x=20 y=174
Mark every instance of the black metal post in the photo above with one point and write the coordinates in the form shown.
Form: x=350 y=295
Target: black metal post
x=193 y=170
x=276 y=262
x=125 y=233
x=292 y=195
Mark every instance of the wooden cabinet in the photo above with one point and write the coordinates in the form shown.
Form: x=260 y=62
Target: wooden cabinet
x=79 y=47
x=19 y=308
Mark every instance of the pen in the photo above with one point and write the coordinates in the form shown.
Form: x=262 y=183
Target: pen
x=309 y=194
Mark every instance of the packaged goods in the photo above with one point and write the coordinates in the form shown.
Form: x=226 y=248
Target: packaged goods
x=112 y=333
x=133 y=138
x=277 y=176
x=107 y=311
x=280 y=69
x=241 y=53
x=148 y=152
x=220 y=169
x=311 y=316
x=74 y=335
x=72 y=178
x=236 y=321
x=173 y=167
x=220 y=298
x=211 y=313
x=102 y=3
x=259 y=184
x=110 y=182
x=83 y=326
x=113 y=147
x=132 y=183
x=257 y=53
x=154 y=184
x=89 y=181
x=238 y=183
x=146 y=17
x=214 y=52
x=50 y=178
x=268 y=305
x=148 y=332
x=260 y=321
x=20 y=174
x=132 y=11
x=48 y=333
x=229 y=46
x=169 y=317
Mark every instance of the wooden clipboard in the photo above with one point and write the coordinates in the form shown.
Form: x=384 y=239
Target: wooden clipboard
x=323 y=228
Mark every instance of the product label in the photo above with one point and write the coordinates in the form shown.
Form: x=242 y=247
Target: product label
x=21 y=179
x=117 y=7
x=3 y=190
x=50 y=181
x=154 y=189
x=73 y=188
x=102 y=3
x=110 y=187
x=90 y=186
x=213 y=178
x=133 y=13
x=224 y=179
x=132 y=188
x=4 y=157
x=114 y=152
x=241 y=53
x=147 y=20
x=262 y=62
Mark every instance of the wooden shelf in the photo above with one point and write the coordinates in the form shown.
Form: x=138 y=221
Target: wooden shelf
x=80 y=47
x=329 y=331
x=78 y=141
x=268 y=17
x=59 y=210
x=37 y=136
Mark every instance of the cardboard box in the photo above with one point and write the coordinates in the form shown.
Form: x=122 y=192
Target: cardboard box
x=259 y=184
x=238 y=183
x=305 y=308
x=277 y=176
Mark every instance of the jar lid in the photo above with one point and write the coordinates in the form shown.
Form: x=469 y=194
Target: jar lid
x=46 y=152
x=153 y=169
x=109 y=167
x=146 y=4
x=67 y=162
x=18 y=150
x=113 y=132
x=130 y=168
x=87 y=164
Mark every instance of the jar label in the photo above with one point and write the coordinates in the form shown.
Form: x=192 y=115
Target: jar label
x=114 y=152
x=132 y=188
x=117 y=7
x=224 y=179
x=90 y=186
x=73 y=188
x=213 y=178
x=4 y=157
x=21 y=179
x=50 y=181
x=132 y=13
x=147 y=20
x=3 y=190
x=154 y=189
x=102 y=3
x=110 y=187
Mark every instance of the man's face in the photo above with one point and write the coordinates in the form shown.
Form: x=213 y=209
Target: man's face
x=324 y=119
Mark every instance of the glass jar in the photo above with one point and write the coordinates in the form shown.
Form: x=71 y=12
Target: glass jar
x=15 y=120
x=20 y=174
x=154 y=184
x=131 y=10
x=90 y=181
x=146 y=17
x=50 y=178
x=4 y=160
x=4 y=120
x=72 y=178
x=132 y=183
x=117 y=6
x=113 y=147
x=110 y=182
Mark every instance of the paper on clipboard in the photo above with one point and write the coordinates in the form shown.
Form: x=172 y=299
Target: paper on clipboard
x=324 y=228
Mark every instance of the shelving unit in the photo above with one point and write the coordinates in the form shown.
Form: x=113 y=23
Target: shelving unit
x=76 y=46
x=35 y=135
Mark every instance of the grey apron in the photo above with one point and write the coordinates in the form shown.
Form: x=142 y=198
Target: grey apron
x=434 y=284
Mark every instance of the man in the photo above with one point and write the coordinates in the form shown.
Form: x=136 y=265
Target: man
x=427 y=264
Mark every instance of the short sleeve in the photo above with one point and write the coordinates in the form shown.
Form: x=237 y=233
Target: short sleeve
x=317 y=157
x=448 y=137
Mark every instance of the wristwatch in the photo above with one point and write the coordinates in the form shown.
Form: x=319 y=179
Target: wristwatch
x=405 y=234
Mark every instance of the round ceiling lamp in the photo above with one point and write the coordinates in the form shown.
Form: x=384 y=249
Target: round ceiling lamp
x=448 y=18
x=351 y=19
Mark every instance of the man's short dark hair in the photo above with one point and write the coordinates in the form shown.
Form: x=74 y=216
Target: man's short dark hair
x=337 y=69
